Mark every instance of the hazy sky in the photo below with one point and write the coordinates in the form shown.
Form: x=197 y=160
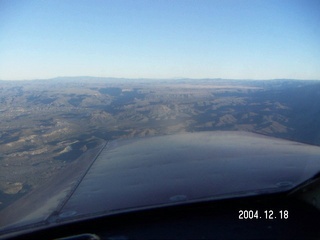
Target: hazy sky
x=160 y=39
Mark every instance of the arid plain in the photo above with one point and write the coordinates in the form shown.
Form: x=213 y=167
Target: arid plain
x=46 y=125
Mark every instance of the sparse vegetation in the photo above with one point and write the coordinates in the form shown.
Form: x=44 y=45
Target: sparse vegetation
x=47 y=124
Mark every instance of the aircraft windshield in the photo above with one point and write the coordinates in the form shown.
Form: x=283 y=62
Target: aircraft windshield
x=79 y=75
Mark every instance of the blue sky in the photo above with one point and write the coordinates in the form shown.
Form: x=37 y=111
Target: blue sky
x=160 y=39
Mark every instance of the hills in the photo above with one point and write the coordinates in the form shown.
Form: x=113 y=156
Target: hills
x=48 y=124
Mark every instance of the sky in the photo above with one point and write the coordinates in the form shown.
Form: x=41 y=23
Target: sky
x=237 y=39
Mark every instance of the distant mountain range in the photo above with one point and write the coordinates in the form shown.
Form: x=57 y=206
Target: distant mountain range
x=48 y=124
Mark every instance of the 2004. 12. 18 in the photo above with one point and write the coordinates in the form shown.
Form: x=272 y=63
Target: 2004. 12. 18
x=267 y=214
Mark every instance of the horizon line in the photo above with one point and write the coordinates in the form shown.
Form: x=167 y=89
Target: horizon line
x=153 y=78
